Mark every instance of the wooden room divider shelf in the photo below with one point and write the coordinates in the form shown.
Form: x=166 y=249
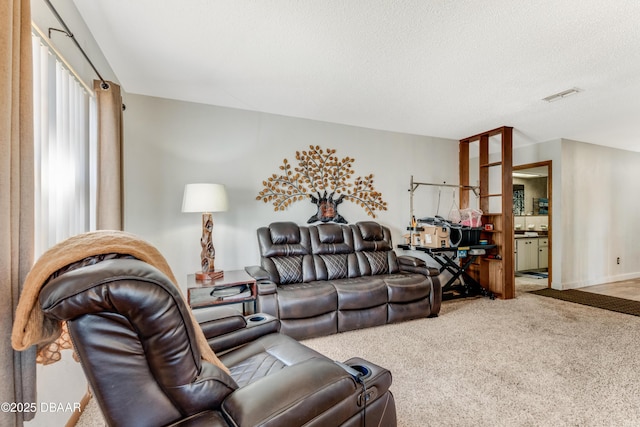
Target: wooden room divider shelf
x=497 y=275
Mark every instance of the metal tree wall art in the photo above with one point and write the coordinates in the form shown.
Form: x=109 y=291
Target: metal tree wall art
x=324 y=179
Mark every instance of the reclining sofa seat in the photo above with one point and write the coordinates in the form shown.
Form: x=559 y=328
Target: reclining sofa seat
x=328 y=278
x=130 y=327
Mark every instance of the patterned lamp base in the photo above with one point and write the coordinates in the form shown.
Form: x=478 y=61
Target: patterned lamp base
x=208 y=253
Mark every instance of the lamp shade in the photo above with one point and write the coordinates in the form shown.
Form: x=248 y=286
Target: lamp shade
x=204 y=198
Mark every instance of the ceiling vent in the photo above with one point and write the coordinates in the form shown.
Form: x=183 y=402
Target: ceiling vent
x=561 y=95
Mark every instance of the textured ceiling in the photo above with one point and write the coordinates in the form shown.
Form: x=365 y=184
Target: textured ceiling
x=430 y=67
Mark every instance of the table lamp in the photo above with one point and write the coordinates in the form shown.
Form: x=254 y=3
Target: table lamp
x=206 y=198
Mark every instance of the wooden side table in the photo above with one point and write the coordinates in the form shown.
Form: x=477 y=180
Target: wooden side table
x=235 y=287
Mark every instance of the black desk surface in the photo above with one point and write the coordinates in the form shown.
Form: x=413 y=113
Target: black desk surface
x=439 y=250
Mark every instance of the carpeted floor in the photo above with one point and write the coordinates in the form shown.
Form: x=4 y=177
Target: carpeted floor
x=605 y=302
x=529 y=361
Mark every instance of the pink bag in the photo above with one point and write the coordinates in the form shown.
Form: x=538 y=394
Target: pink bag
x=471 y=217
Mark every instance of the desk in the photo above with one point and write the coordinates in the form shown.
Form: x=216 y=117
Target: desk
x=457 y=266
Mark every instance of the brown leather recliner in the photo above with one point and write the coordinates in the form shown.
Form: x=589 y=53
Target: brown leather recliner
x=132 y=332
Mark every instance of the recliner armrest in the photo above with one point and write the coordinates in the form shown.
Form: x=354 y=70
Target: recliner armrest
x=216 y=321
x=322 y=389
x=225 y=328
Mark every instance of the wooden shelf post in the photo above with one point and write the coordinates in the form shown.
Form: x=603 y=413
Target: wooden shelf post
x=497 y=274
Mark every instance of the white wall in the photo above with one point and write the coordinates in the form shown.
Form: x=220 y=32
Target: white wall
x=170 y=143
x=600 y=186
x=594 y=201
x=550 y=150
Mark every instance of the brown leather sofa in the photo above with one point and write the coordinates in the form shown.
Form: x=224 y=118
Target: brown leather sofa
x=328 y=278
x=135 y=339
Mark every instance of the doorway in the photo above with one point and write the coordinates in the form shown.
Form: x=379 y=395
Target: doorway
x=533 y=228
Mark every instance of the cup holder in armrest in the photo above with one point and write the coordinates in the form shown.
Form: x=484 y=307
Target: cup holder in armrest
x=364 y=371
x=376 y=378
x=258 y=319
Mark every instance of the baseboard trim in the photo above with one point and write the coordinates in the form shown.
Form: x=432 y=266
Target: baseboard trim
x=599 y=281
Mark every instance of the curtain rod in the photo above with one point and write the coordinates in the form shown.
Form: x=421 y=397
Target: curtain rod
x=47 y=41
x=69 y=34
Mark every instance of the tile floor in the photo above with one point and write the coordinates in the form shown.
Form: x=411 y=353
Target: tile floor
x=628 y=289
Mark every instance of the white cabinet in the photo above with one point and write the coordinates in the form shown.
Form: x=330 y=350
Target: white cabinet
x=526 y=254
x=532 y=253
x=543 y=252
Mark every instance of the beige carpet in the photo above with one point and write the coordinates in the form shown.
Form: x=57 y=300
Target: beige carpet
x=531 y=361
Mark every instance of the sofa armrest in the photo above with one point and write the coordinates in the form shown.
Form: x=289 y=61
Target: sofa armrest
x=257 y=272
x=225 y=328
x=295 y=395
x=416 y=265
x=411 y=260
x=263 y=280
x=266 y=288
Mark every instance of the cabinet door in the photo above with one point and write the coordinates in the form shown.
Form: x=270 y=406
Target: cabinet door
x=543 y=257
x=527 y=257
x=520 y=256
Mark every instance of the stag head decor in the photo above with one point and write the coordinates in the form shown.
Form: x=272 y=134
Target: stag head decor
x=324 y=179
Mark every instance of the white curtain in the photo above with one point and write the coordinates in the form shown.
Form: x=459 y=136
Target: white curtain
x=64 y=138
